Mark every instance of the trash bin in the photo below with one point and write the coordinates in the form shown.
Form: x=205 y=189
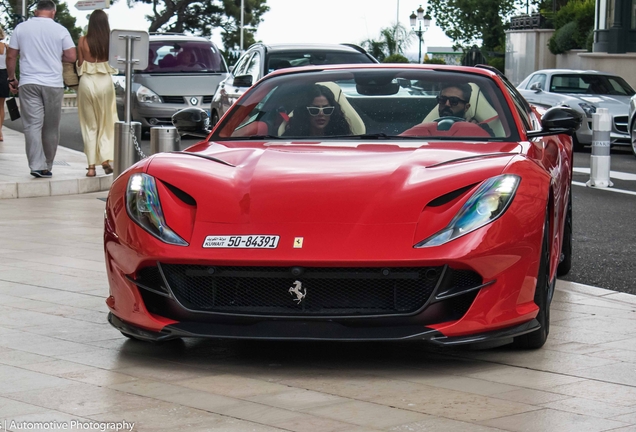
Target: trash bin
x=164 y=139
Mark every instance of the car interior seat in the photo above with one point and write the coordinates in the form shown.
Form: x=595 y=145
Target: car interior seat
x=276 y=64
x=168 y=61
x=355 y=121
x=480 y=110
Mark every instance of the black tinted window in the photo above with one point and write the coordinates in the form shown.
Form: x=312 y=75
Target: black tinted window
x=282 y=60
x=184 y=56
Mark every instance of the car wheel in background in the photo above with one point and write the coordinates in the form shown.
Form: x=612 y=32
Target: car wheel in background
x=576 y=145
x=633 y=137
x=214 y=119
x=537 y=338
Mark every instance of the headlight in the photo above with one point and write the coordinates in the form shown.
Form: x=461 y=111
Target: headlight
x=145 y=95
x=588 y=109
x=488 y=202
x=144 y=207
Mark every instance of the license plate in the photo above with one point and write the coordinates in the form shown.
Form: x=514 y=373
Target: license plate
x=256 y=241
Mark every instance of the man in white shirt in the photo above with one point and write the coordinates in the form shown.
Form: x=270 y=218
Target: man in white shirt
x=42 y=45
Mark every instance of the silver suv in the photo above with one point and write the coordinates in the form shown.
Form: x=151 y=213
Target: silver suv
x=183 y=71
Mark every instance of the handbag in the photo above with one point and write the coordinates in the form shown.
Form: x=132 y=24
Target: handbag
x=12 y=106
x=69 y=75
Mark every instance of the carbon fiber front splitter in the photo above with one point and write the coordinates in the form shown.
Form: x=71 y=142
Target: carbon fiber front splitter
x=323 y=331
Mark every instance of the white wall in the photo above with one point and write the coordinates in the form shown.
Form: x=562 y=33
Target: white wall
x=526 y=52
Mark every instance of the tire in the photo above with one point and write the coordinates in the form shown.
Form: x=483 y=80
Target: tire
x=632 y=135
x=214 y=119
x=542 y=297
x=576 y=145
x=565 y=263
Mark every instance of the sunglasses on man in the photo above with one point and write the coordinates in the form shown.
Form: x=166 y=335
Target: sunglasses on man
x=453 y=100
x=314 y=111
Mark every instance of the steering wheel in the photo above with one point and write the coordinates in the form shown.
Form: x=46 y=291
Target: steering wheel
x=446 y=122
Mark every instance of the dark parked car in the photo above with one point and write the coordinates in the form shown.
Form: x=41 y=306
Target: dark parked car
x=261 y=59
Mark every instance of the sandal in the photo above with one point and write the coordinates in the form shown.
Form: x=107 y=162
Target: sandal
x=107 y=168
x=91 y=171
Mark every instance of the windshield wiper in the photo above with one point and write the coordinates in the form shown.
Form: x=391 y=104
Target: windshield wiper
x=374 y=136
x=259 y=137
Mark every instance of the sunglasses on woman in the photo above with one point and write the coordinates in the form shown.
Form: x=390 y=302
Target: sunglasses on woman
x=452 y=100
x=314 y=111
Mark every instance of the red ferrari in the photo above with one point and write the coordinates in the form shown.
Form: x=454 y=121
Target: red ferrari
x=350 y=203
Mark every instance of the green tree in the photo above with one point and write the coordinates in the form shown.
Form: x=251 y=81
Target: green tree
x=465 y=21
x=9 y=12
x=393 y=40
x=201 y=17
x=395 y=58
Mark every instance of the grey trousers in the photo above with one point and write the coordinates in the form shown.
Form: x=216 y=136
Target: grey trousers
x=41 y=111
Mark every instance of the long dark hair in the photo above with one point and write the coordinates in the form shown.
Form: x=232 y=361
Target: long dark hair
x=98 y=35
x=299 y=122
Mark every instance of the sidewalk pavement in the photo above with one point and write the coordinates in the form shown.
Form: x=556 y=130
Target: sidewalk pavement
x=69 y=172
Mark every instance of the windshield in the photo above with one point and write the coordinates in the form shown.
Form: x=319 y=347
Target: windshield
x=371 y=103
x=184 y=56
x=590 y=84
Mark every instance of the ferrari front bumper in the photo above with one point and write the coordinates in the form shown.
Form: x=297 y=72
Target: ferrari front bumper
x=317 y=331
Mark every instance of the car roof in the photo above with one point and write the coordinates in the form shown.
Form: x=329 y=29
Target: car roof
x=573 y=71
x=177 y=37
x=449 y=68
x=279 y=47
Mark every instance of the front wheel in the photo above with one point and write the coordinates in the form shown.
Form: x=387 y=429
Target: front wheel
x=565 y=263
x=542 y=297
x=576 y=145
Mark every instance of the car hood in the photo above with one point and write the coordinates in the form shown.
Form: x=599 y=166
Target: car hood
x=617 y=105
x=184 y=84
x=335 y=183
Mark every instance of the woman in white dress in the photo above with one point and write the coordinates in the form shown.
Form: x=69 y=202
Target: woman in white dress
x=4 y=85
x=96 y=94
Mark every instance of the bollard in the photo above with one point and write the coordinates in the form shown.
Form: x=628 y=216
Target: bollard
x=600 y=159
x=164 y=139
x=125 y=152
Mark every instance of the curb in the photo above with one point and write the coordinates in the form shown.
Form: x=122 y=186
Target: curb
x=49 y=187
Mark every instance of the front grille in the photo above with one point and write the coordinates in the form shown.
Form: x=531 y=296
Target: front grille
x=150 y=278
x=620 y=123
x=207 y=99
x=173 y=99
x=327 y=291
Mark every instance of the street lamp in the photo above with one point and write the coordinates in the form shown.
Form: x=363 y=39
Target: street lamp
x=421 y=19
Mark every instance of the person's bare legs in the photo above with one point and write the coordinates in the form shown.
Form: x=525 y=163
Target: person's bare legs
x=1 y=117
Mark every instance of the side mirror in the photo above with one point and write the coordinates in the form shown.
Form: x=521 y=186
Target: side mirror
x=536 y=87
x=558 y=120
x=192 y=121
x=242 y=81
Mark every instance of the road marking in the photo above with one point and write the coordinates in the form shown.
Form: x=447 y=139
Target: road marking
x=606 y=189
x=613 y=174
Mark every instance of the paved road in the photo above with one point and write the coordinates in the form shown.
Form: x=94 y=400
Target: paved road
x=604 y=231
